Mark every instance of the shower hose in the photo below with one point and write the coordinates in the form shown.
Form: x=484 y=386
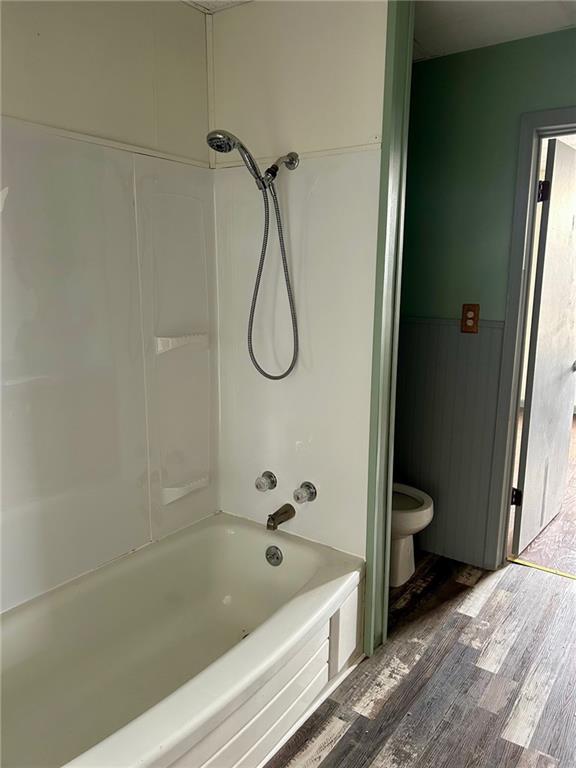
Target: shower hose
x=286 y=280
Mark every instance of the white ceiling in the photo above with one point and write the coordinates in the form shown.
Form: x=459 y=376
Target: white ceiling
x=449 y=26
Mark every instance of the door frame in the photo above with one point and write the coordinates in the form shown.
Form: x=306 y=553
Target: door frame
x=526 y=440
x=395 y=117
x=534 y=126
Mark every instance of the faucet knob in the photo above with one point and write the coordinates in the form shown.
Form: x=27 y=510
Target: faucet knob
x=306 y=492
x=266 y=482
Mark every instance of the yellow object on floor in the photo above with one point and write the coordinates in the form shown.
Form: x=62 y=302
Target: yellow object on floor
x=542 y=568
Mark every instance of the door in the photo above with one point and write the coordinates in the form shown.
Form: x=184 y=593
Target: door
x=549 y=404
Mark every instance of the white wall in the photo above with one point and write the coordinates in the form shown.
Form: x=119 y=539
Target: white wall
x=300 y=75
x=314 y=425
x=95 y=422
x=106 y=250
x=134 y=72
x=307 y=77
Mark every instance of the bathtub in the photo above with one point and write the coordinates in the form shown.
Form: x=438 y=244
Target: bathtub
x=192 y=652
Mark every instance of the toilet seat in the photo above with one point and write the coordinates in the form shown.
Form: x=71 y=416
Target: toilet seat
x=412 y=510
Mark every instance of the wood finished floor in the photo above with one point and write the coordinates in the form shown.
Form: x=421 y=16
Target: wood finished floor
x=479 y=671
x=555 y=546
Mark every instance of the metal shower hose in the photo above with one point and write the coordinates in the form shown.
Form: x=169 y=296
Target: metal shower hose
x=286 y=279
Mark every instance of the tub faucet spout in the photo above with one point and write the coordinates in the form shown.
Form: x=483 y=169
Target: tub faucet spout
x=286 y=512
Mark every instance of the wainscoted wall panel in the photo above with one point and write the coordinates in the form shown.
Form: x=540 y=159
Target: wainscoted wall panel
x=445 y=416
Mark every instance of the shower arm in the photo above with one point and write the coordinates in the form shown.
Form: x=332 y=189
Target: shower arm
x=291 y=161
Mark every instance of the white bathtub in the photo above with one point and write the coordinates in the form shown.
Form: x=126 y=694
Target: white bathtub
x=192 y=652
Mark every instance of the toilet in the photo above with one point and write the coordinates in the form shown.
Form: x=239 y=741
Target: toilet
x=412 y=511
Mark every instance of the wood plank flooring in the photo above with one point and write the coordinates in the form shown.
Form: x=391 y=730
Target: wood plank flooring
x=479 y=671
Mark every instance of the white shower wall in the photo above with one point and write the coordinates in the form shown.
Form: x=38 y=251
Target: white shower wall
x=73 y=433
x=100 y=426
x=307 y=77
x=314 y=425
x=104 y=251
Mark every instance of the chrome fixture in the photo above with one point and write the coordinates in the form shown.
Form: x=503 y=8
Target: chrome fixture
x=286 y=512
x=274 y=555
x=224 y=141
x=291 y=161
x=306 y=492
x=266 y=482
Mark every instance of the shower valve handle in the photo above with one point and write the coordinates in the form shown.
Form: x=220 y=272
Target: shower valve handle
x=306 y=492
x=266 y=482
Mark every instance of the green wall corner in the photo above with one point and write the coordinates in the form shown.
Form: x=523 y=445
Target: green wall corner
x=462 y=158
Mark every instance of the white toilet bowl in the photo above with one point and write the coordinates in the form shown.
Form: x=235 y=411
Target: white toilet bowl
x=412 y=511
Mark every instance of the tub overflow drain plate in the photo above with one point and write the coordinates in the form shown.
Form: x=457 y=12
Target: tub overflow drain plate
x=274 y=555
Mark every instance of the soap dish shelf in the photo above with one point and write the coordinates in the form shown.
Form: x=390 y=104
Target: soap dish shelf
x=176 y=492
x=167 y=343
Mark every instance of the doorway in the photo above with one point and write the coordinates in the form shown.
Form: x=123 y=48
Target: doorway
x=542 y=524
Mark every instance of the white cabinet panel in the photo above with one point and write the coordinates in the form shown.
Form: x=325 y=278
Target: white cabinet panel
x=74 y=443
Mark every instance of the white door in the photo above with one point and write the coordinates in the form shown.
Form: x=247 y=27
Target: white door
x=549 y=404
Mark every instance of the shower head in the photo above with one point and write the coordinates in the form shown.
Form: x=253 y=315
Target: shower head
x=224 y=141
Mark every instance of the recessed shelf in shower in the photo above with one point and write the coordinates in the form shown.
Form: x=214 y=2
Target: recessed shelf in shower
x=176 y=492
x=167 y=343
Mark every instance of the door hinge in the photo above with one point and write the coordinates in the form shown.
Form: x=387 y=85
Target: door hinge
x=543 y=191
x=516 y=499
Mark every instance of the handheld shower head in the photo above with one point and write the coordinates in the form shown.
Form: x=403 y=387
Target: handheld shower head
x=224 y=141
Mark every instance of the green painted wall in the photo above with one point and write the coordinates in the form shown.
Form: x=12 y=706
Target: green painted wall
x=462 y=157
